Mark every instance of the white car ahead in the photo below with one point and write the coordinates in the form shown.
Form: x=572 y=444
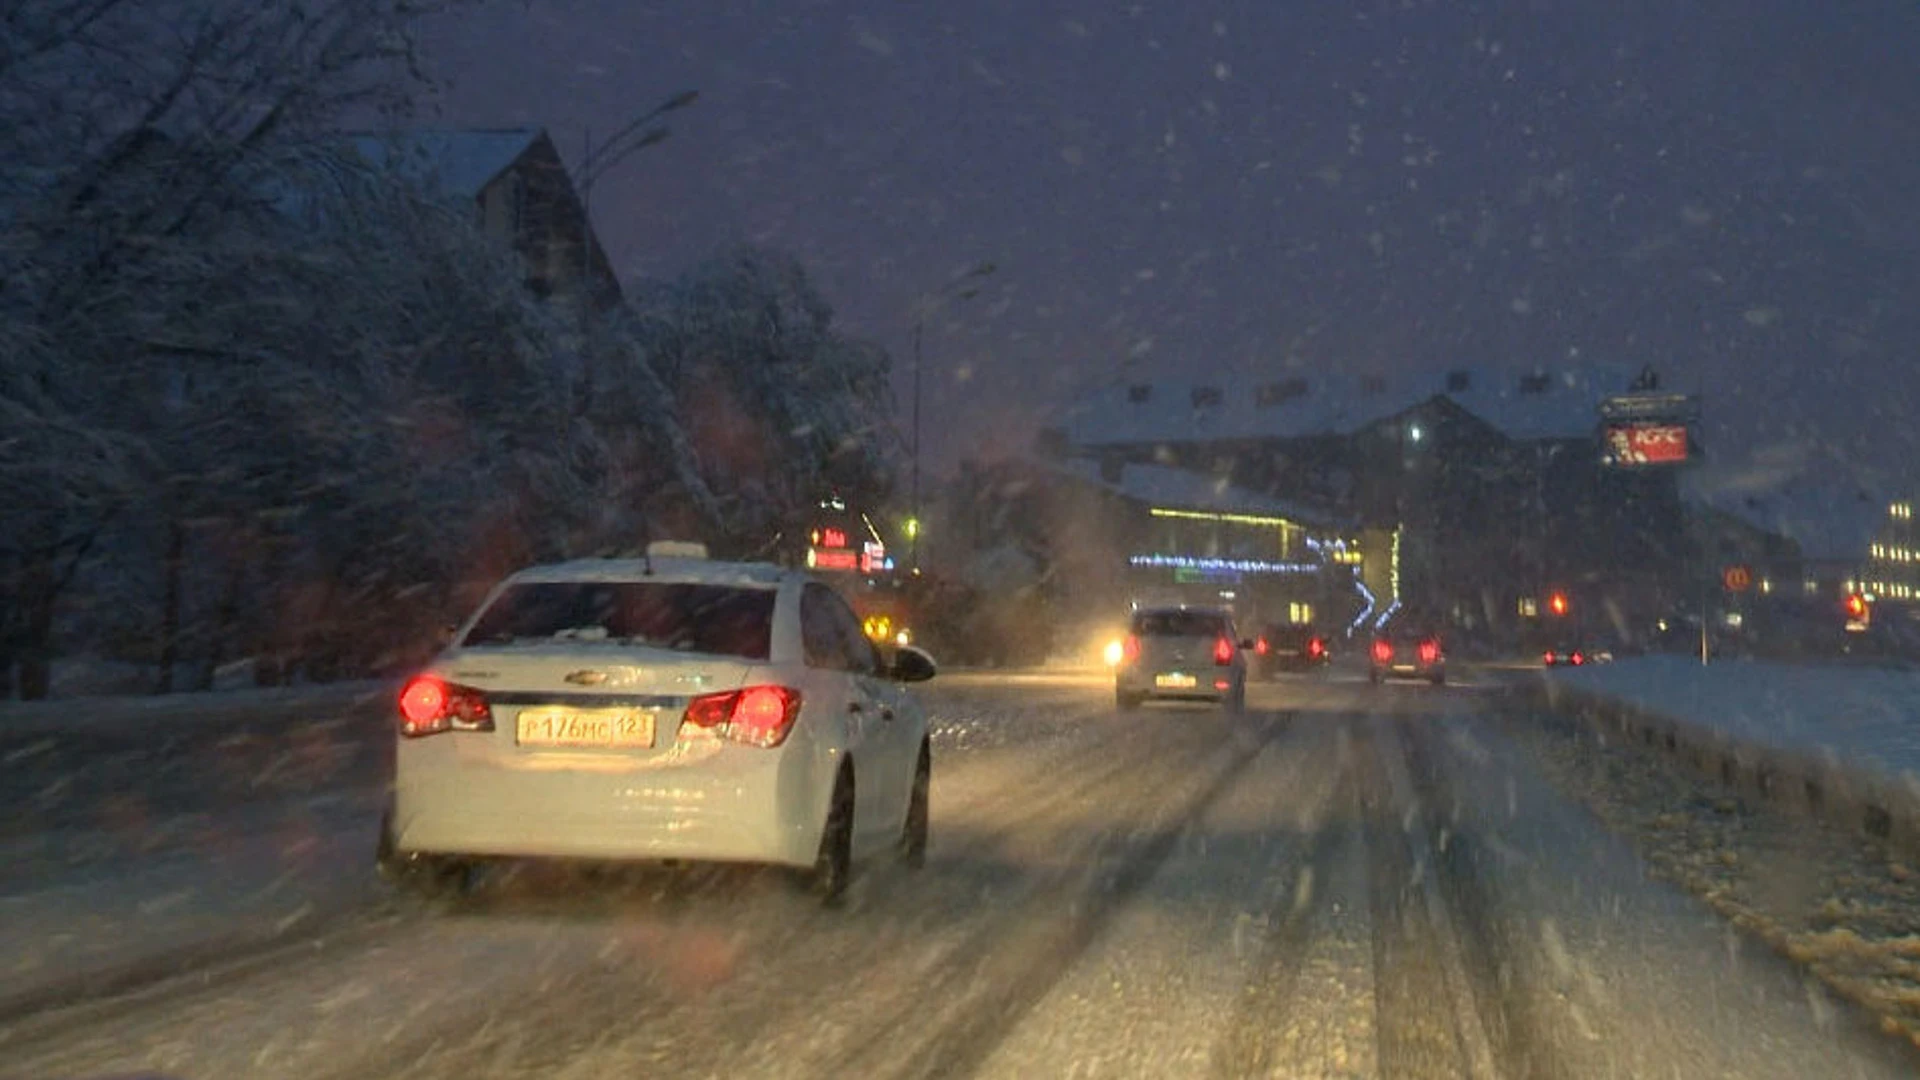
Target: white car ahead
x=669 y=708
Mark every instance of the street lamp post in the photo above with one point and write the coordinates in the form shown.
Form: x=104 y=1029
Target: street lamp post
x=955 y=289
x=596 y=161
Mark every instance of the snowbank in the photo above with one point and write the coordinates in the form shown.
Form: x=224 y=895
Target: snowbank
x=1840 y=743
x=1865 y=716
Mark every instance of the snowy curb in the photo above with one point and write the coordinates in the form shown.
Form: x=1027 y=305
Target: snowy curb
x=1852 y=795
x=249 y=949
x=103 y=714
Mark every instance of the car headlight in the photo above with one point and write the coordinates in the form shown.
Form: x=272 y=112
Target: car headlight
x=904 y=637
x=1114 y=652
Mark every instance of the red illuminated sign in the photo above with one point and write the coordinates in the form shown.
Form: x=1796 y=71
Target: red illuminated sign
x=1647 y=444
x=833 y=538
x=833 y=559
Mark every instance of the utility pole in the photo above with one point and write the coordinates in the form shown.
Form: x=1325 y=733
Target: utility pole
x=913 y=523
x=956 y=289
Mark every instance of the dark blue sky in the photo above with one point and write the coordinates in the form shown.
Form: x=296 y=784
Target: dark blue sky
x=1725 y=189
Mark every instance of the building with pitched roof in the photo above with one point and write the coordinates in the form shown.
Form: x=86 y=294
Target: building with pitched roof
x=521 y=193
x=1476 y=492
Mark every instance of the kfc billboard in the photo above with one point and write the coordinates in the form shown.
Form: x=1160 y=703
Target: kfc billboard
x=1646 y=444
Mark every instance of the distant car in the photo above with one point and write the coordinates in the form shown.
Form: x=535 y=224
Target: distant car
x=1575 y=656
x=1289 y=648
x=1408 y=653
x=668 y=708
x=1183 y=654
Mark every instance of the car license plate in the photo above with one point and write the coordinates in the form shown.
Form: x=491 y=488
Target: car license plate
x=1176 y=681
x=618 y=729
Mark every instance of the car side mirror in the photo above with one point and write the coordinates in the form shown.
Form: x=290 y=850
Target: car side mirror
x=912 y=665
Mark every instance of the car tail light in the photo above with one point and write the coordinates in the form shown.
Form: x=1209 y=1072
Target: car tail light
x=429 y=705
x=1547 y=658
x=1382 y=652
x=1261 y=646
x=1223 y=651
x=1316 y=648
x=1130 y=648
x=1429 y=652
x=756 y=715
x=1578 y=659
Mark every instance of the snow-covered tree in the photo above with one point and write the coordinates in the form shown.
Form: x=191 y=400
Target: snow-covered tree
x=780 y=406
x=123 y=124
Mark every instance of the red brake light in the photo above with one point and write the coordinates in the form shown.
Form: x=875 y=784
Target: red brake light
x=1315 y=647
x=1130 y=649
x=1578 y=659
x=1223 y=651
x=429 y=706
x=1547 y=658
x=1261 y=646
x=1382 y=651
x=1429 y=652
x=757 y=715
x=423 y=700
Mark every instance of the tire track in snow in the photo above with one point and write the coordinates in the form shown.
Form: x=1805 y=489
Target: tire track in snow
x=1266 y=998
x=1051 y=929
x=1450 y=996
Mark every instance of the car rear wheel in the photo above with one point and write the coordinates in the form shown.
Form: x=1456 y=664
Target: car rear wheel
x=913 y=835
x=833 y=867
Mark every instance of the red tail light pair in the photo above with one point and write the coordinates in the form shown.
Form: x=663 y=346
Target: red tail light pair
x=756 y=715
x=429 y=705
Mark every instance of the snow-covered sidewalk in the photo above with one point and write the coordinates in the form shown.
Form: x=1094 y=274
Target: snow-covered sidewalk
x=81 y=914
x=1859 y=717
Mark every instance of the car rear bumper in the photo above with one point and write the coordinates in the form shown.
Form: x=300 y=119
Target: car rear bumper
x=1146 y=684
x=740 y=805
x=1410 y=672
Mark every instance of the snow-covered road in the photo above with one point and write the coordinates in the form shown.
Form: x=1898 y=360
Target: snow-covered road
x=1349 y=881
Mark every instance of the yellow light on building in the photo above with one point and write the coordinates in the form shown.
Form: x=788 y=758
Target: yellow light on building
x=1237 y=519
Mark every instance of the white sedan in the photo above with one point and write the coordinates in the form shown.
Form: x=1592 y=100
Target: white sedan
x=667 y=708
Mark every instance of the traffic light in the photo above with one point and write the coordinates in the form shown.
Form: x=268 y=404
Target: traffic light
x=1557 y=604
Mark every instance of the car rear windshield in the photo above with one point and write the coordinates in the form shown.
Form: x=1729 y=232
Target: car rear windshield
x=1178 y=624
x=720 y=620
